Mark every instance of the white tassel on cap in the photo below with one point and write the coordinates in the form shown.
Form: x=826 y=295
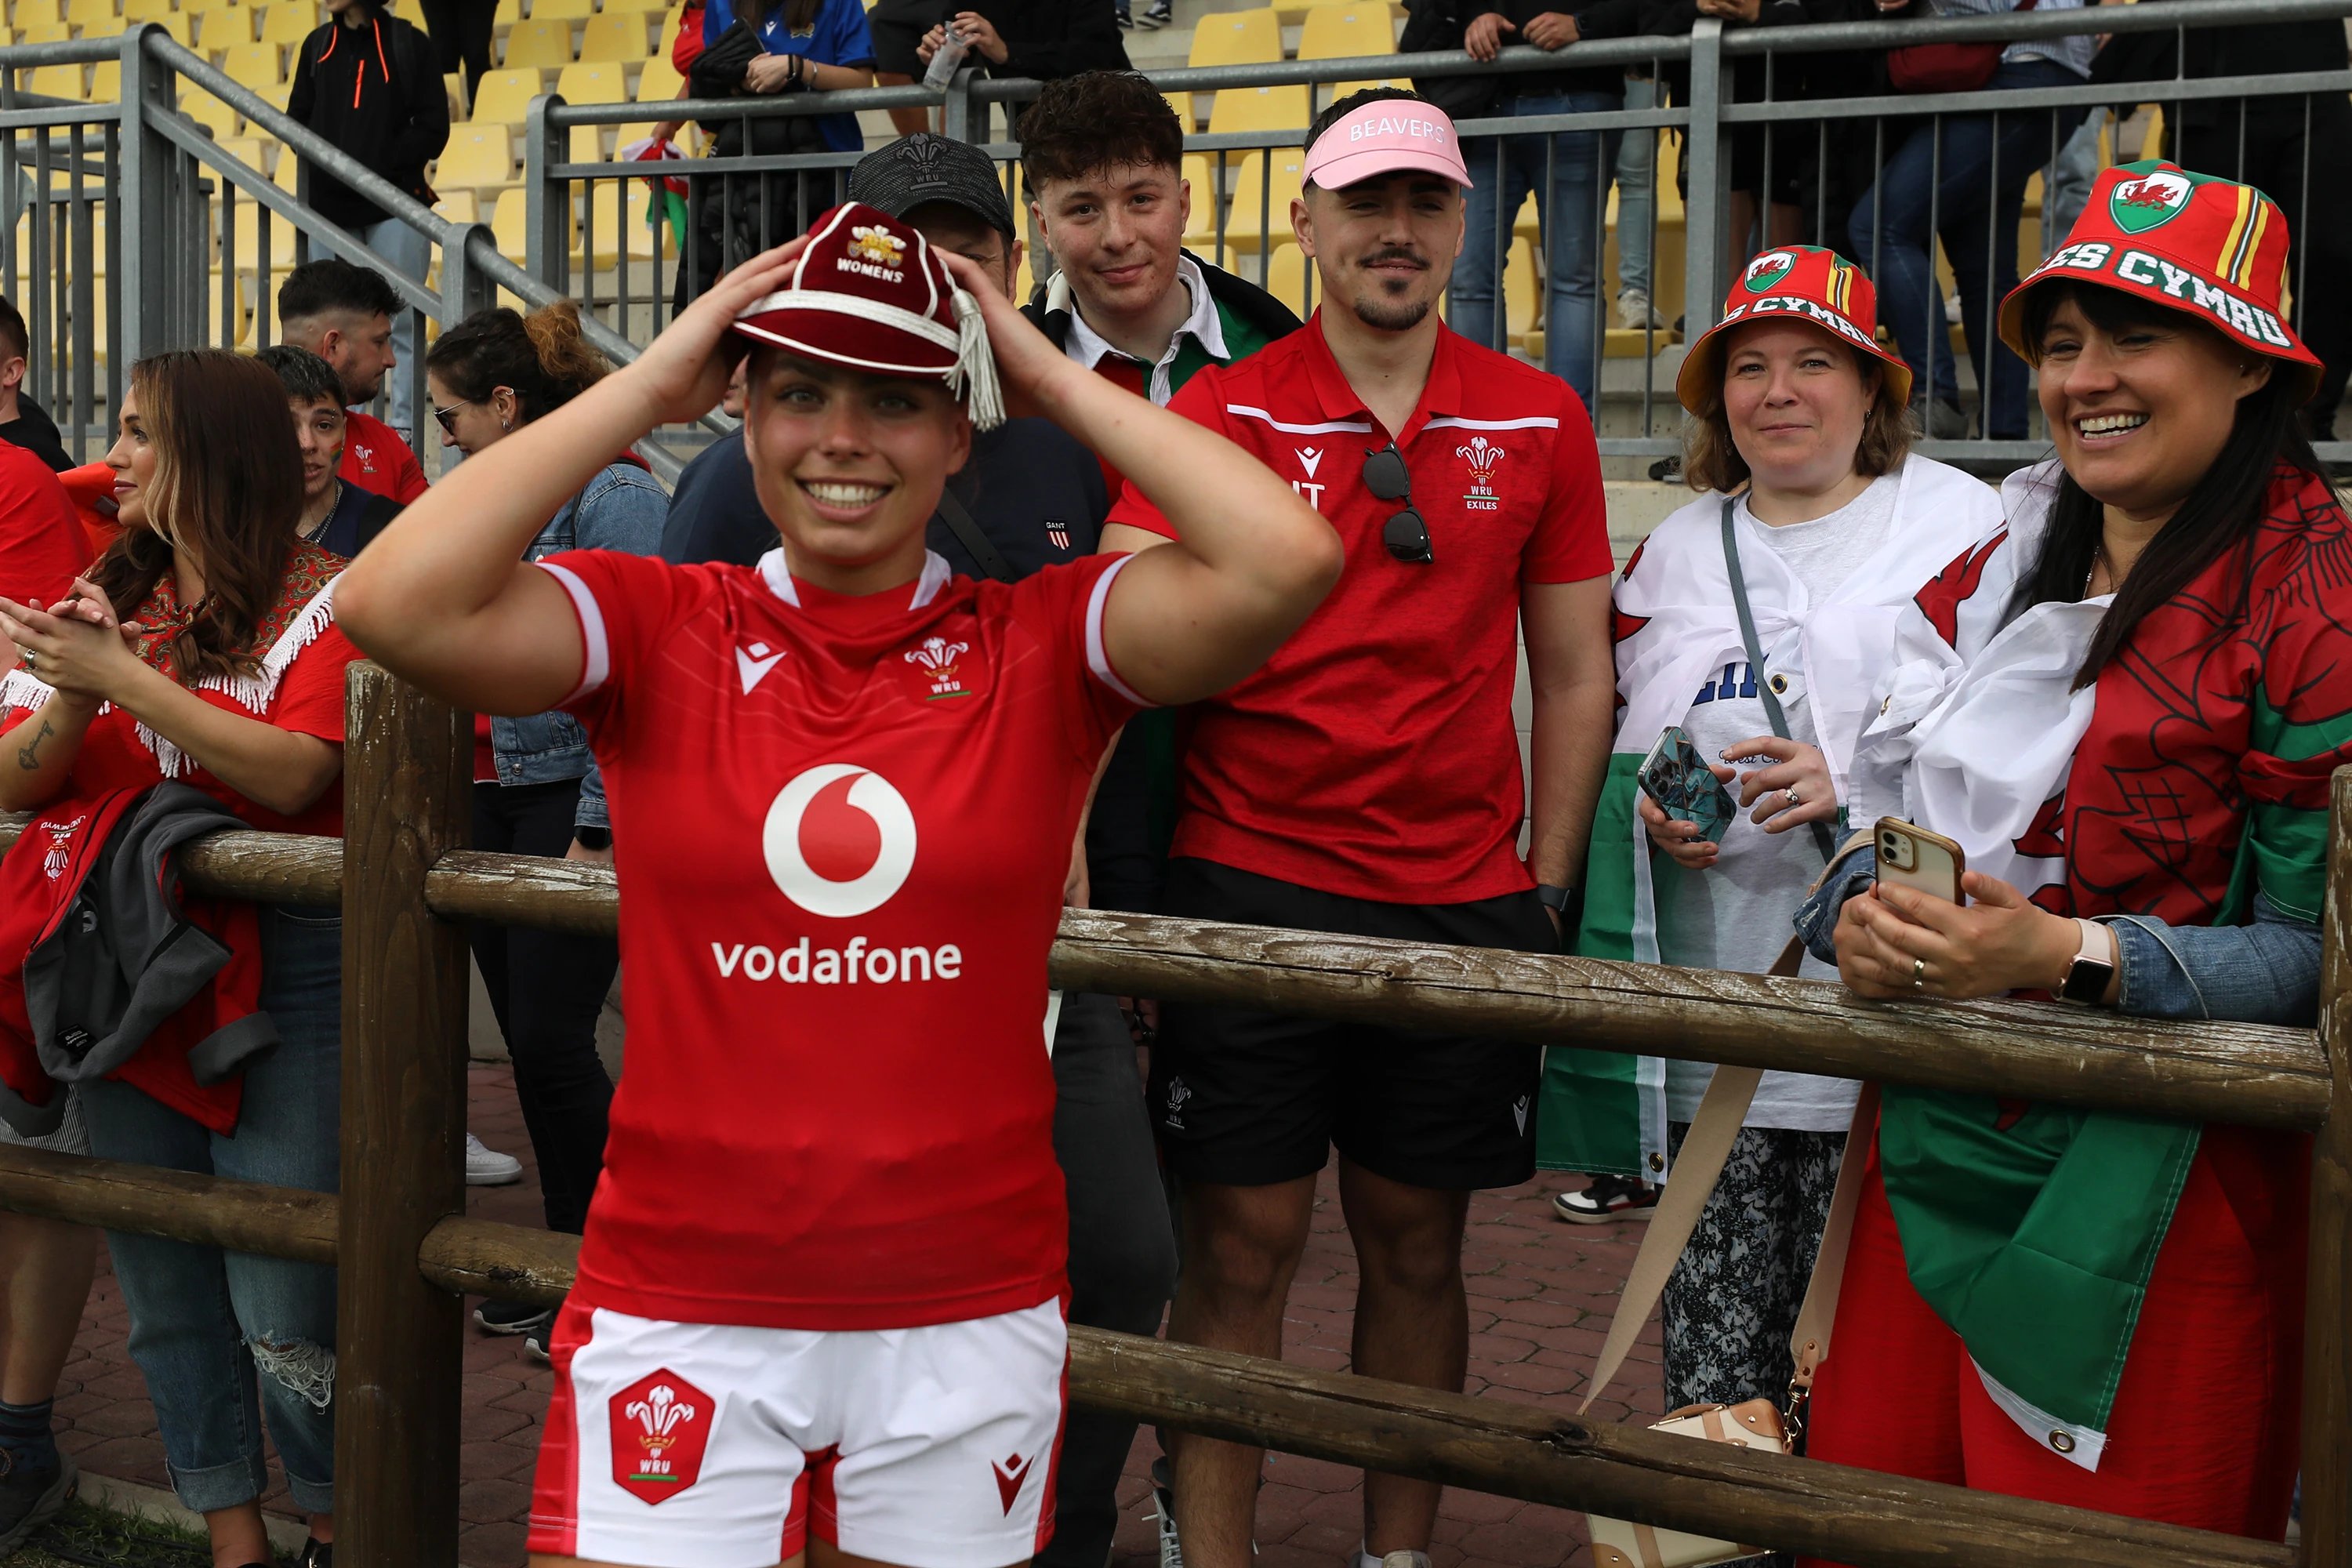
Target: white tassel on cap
x=974 y=376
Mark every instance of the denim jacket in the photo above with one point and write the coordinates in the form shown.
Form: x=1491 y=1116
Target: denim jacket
x=2266 y=972
x=621 y=509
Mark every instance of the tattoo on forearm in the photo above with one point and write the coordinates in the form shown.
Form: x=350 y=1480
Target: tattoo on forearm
x=28 y=755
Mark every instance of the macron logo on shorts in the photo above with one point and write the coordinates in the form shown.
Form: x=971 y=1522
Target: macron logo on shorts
x=1009 y=1473
x=661 y=1424
x=839 y=840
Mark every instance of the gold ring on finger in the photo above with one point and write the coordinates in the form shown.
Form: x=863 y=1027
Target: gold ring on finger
x=1918 y=974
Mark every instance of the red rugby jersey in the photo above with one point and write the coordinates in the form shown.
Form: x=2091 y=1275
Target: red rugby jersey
x=1373 y=755
x=843 y=824
x=375 y=459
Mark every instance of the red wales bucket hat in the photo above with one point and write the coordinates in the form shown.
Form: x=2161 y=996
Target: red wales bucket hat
x=2209 y=248
x=1797 y=282
x=869 y=292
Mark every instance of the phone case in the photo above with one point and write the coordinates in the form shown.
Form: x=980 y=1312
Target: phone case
x=1911 y=856
x=1675 y=776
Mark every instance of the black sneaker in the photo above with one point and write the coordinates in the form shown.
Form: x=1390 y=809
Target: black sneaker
x=30 y=1495
x=1162 y=14
x=534 y=1341
x=511 y=1317
x=1126 y=20
x=1608 y=1198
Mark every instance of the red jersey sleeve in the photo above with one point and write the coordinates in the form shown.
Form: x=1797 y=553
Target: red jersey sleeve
x=1063 y=606
x=310 y=695
x=626 y=605
x=408 y=475
x=1202 y=401
x=42 y=546
x=1571 y=539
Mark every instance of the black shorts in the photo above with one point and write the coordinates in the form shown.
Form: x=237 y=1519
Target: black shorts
x=1248 y=1099
x=895 y=41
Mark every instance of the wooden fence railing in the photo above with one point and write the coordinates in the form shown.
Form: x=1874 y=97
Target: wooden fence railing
x=407 y=1253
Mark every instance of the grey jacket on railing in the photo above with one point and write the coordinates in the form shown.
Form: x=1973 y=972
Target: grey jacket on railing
x=2264 y=973
x=621 y=509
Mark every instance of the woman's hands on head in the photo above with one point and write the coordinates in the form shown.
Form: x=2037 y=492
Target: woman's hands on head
x=684 y=372
x=1897 y=942
x=1028 y=365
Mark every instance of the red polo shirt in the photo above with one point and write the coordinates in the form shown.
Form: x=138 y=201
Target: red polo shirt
x=375 y=459
x=1374 y=754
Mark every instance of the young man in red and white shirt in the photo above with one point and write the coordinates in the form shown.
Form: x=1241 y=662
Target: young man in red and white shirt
x=820 y=1293
x=1368 y=780
x=343 y=314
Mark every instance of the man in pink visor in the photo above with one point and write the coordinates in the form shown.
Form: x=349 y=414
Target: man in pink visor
x=1367 y=779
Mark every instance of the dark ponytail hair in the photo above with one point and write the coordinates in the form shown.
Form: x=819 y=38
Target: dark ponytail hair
x=542 y=358
x=2219 y=516
x=799 y=14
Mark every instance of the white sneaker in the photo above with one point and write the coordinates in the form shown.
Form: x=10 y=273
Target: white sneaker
x=1405 y=1559
x=1636 y=313
x=485 y=1167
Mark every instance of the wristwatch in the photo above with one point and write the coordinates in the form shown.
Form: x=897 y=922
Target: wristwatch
x=593 y=837
x=1565 y=903
x=2088 y=971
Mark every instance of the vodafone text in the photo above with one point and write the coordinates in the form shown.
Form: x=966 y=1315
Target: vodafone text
x=844 y=966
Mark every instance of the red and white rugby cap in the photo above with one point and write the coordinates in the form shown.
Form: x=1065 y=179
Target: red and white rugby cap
x=1382 y=137
x=869 y=292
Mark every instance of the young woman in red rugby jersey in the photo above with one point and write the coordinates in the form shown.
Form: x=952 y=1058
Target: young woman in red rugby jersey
x=820 y=1289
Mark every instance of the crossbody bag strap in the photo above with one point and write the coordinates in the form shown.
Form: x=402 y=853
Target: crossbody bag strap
x=968 y=534
x=1823 y=839
x=1809 y=1342
x=1722 y=1111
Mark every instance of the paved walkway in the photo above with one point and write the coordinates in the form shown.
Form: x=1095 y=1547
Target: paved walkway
x=1540 y=1295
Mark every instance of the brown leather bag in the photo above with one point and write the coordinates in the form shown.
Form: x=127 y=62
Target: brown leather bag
x=1945 y=68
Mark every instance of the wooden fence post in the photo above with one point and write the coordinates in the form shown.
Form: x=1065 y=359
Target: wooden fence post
x=406 y=799
x=2327 y=1325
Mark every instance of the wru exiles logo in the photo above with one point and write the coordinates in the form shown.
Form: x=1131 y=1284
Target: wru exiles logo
x=839 y=842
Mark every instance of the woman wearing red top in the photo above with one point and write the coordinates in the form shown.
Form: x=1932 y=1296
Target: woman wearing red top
x=843 y=785
x=227 y=676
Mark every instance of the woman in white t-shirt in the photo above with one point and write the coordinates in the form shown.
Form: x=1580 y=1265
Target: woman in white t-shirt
x=1800 y=441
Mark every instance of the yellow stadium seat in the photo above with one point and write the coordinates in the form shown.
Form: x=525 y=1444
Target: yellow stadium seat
x=106 y=81
x=587 y=144
x=1338 y=90
x=504 y=96
x=562 y=10
x=536 y=43
x=1529 y=224
x=478 y=156
x=256 y=65
x=1251 y=193
x=1287 y=272
x=593 y=81
x=82 y=13
x=458 y=206
x=54 y=81
x=289 y=174
x=1182 y=102
x=410 y=12
x=509 y=223
x=660 y=81
x=1236 y=39
x=1342 y=32
x=615 y=36
x=634 y=130
x=208 y=112
x=671 y=21
x=183 y=29
x=1259 y=109
x=1201 y=223
x=509 y=12
x=289 y=22
x=616 y=227
x=253 y=152
x=147 y=10
x=247 y=234
x=453 y=89
x=196 y=7
x=1520 y=294
x=36 y=12
x=45 y=33
x=224 y=27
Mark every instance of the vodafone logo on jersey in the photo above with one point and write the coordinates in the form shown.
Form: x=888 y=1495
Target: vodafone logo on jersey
x=839 y=840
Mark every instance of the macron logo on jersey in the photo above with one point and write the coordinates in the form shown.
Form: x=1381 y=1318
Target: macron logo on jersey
x=754 y=663
x=839 y=840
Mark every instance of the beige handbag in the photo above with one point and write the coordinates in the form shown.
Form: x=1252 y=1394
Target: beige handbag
x=1757 y=1423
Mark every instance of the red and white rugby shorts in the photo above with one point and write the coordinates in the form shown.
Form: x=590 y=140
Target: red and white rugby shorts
x=712 y=1446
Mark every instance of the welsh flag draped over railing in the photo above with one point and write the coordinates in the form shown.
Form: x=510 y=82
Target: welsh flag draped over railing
x=670 y=188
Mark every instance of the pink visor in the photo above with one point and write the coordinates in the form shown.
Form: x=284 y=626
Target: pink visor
x=1384 y=137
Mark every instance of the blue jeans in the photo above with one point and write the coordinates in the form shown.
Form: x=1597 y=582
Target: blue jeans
x=1572 y=219
x=412 y=252
x=225 y=1340
x=1977 y=219
x=1637 y=191
x=2067 y=185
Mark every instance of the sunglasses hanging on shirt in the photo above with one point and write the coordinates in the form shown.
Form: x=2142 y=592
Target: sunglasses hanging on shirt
x=1405 y=534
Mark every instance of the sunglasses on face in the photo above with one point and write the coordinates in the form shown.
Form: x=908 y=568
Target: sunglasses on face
x=448 y=416
x=1405 y=534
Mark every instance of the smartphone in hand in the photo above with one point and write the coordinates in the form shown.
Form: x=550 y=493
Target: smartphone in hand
x=1911 y=856
x=1677 y=778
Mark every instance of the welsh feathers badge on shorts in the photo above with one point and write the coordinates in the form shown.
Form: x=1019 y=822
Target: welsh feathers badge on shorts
x=660 y=1424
